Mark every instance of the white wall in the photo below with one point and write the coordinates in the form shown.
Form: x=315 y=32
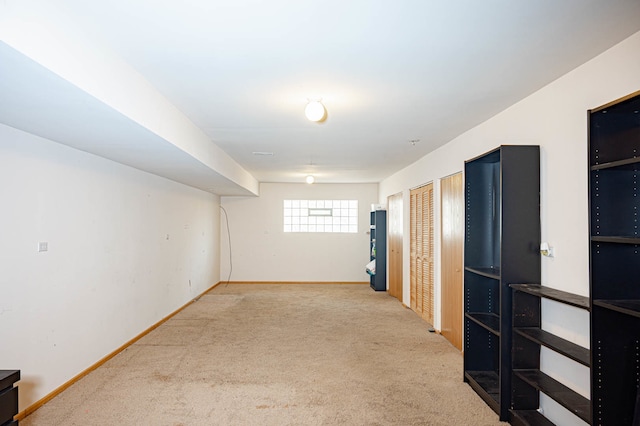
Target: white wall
x=261 y=251
x=126 y=248
x=555 y=118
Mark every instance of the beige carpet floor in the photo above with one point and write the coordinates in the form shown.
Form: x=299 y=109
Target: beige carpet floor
x=248 y=354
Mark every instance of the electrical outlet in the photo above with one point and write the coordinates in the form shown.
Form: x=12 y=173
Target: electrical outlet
x=547 y=250
x=43 y=246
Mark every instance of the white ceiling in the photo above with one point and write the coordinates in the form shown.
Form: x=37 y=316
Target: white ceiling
x=389 y=72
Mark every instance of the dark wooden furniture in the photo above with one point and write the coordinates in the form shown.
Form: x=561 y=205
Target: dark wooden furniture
x=378 y=249
x=8 y=396
x=502 y=246
x=528 y=338
x=614 y=206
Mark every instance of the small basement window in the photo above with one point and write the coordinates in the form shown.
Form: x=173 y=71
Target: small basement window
x=321 y=216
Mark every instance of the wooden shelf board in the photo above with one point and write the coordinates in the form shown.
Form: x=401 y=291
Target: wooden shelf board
x=489 y=321
x=569 y=399
x=529 y=417
x=630 y=163
x=487 y=385
x=629 y=307
x=569 y=349
x=615 y=239
x=576 y=300
x=485 y=272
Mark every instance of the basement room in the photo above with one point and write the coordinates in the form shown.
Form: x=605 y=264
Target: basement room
x=318 y=213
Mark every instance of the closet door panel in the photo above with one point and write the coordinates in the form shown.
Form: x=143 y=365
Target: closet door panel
x=452 y=238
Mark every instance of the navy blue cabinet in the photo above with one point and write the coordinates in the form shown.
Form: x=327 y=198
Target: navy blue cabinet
x=502 y=240
x=378 y=249
x=8 y=396
x=614 y=206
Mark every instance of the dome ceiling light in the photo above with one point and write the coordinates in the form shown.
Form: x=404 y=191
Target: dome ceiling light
x=315 y=111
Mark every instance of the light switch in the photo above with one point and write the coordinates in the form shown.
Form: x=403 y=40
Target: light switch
x=43 y=246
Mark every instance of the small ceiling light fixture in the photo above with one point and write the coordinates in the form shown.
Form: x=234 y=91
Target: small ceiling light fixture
x=310 y=179
x=315 y=111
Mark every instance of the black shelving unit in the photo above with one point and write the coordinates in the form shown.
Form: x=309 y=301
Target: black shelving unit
x=614 y=204
x=8 y=396
x=528 y=338
x=502 y=240
x=378 y=249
